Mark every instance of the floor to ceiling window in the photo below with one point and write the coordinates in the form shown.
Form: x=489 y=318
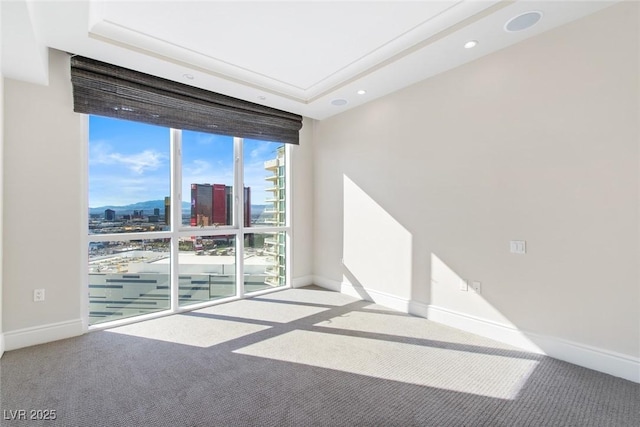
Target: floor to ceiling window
x=180 y=218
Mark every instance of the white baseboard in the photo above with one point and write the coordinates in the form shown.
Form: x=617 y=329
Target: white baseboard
x=419 y=309
x=485 y=328
x=1 y=344
x=608 y=362
x=382 y=298
x=329 y=284
x=598 y=359
x=42 y=334
x=299 y=282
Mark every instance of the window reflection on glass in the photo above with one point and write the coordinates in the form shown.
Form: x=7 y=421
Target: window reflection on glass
x=127 y=278
x=206 y=268
x=264 y=174
x=264 y=265
x=207 y=179
x=129 y=176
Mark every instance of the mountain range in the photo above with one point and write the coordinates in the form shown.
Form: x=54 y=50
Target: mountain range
x=150 y=205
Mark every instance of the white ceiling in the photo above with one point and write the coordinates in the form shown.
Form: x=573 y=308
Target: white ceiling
x=298 y=56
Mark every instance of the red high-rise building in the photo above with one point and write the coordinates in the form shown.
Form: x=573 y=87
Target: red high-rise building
x=213 y=205
x=219 y=207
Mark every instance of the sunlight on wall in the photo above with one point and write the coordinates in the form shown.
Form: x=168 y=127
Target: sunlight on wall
x=446 y=292
x=377 y=250
x=449 y=298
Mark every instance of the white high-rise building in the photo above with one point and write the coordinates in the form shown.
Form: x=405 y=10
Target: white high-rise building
x=274 y=244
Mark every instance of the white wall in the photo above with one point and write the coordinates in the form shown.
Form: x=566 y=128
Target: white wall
x=538 y=142
x=43 y=202
x=302 y=209
x=1 y=187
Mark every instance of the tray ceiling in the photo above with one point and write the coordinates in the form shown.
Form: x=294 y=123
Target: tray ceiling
x=306 y=57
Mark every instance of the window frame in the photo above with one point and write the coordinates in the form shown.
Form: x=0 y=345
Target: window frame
x=177 y=230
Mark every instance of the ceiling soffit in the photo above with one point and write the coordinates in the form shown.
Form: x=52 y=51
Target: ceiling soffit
x=298 y=50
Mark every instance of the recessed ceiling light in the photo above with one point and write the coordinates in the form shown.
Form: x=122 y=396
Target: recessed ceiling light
x=339 y=102
x=361 y=92
x=188 y=76
x=522 y=21
x=470 y=44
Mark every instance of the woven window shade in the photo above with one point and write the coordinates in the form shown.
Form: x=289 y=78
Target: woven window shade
x=112 y=91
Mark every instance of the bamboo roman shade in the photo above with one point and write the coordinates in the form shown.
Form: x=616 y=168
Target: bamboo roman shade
x=108 y=90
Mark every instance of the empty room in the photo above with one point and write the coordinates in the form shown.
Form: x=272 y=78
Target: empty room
x=372 y=213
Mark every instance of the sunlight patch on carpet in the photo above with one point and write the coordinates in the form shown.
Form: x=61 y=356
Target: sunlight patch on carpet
x=264 y=311
x=460 y=371
x=377 y=321
x=189 y=330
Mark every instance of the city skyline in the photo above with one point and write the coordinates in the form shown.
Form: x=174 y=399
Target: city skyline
x=129 y=162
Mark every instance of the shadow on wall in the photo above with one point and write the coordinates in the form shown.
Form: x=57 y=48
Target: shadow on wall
x=448 y=289
x=401 y=268
x=377 y=249
x=378 y=265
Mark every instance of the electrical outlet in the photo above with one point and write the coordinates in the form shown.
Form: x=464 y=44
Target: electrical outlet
x=518 y=247
x=38 y=295
x=464 y=286
x=476 y=286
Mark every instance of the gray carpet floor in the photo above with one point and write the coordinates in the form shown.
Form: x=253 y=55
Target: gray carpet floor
x=303 y=357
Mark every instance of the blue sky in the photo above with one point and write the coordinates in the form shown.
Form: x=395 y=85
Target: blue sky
x=130 y=162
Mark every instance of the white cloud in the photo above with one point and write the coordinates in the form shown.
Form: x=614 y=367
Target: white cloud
x=203 y=172
x=138 y=163
x=141 y=162
x=197 y=167
x=260 y=151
